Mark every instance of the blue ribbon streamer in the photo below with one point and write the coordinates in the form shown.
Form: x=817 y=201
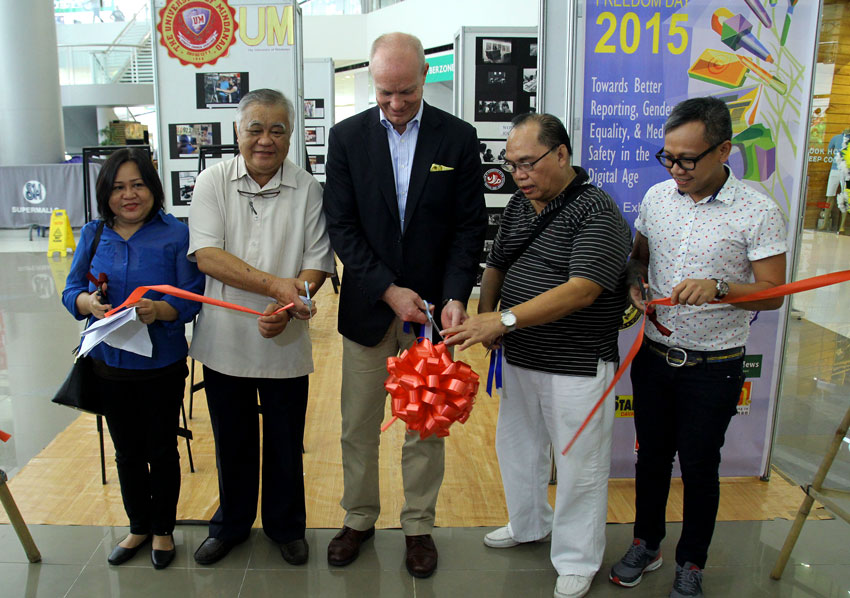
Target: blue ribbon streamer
x=495 y=371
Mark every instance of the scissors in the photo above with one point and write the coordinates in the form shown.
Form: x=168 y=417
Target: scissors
x=430 y=317
x=644 y=291
x=308 y=302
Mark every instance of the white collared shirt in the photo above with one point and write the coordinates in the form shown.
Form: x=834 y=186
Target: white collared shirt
x=717 y=237
x=286 y=235
x=402 y=148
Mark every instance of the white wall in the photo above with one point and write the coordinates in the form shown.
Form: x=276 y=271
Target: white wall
x=435 y=22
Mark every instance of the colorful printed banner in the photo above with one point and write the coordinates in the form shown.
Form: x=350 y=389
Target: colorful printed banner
x=643 y=57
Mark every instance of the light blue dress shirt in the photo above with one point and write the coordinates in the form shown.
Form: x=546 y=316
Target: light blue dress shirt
x=402 y=148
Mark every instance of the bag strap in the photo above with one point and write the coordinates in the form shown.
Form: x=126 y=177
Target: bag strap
x=96 y=241
x=92 y=250
x=544 y=221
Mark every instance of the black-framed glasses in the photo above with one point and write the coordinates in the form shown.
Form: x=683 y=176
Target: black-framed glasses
x=684 y=163
x=509 y=166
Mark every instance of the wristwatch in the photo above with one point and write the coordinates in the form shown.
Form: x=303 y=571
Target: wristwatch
x=722 y=288
x=508 y=320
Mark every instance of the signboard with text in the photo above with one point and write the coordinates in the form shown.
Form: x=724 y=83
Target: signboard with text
x=642 y=57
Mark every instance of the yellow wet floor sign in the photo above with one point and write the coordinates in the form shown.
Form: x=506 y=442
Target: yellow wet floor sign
x=61 y=236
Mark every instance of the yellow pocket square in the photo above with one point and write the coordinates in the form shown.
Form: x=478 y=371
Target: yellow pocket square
x=440 y=168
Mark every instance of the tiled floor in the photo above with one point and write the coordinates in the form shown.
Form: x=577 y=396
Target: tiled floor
x=742 y=556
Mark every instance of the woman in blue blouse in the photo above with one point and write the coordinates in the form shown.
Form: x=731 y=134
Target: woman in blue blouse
x=140 y=245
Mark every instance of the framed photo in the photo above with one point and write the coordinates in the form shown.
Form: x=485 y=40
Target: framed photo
x=314 y=108
x=491 y=151
x=317 y=163
x=220 y=90
x=529 y=80
x=314 y=136
x=182 y=187
x=495 y=107
x=532 y=49
x=496 y=51
x=186 y=139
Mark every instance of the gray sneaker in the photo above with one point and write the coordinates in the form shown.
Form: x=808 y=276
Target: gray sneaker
x=638 y=559
x=688 y=582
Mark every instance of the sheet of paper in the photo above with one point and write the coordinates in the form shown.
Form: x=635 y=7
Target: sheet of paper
x=121 y=331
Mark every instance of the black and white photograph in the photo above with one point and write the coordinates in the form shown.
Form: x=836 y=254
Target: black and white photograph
x=182 y=187
x=496 y=77
x=317 y=163
x=220 y=90
x=495 y=107
x=532 y=49
x=494 y=216
x=314 y=135
x=496 y=51
x=492 y=151
x=529 y=80
x=314 y=108
x=185 y=140
x=532 y=103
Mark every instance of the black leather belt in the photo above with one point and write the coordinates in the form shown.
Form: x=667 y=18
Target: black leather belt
x=678 y=357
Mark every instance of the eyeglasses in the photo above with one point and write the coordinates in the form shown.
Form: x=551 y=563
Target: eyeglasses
x=684 y=163
x=264 y=194
x=511 y=167
x=267 y=194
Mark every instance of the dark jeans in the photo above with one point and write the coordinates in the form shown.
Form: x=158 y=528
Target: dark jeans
x=232 y=403
x=682 y=410
x=143 y=417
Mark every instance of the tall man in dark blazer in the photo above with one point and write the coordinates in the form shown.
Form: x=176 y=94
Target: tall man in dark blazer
x=405 y=209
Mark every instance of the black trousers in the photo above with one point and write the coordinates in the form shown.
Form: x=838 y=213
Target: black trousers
x=143 y=417
x=682 y=410
x=232 y=402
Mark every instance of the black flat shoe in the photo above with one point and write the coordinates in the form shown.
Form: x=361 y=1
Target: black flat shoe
x=162 y=558
x=295 y=552
x=121 y=555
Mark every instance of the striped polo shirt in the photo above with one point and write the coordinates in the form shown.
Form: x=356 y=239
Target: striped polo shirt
x=588 y=239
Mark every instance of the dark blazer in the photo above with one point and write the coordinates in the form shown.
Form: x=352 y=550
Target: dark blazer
x=445 y=219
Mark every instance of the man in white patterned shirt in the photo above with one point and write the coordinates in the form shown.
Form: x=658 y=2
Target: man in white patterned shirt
x=701 y=236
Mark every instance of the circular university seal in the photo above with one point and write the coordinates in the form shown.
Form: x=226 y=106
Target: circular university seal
x=494 y=179
x=197 y=31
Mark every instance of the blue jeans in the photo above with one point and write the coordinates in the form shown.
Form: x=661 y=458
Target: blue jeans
x=683 y=410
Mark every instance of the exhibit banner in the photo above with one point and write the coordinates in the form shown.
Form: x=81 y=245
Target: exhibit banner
x=642 y=57
x=221 y=50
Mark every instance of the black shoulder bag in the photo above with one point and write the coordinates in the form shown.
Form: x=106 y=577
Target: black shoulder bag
x=545 y=221
x=78 y=391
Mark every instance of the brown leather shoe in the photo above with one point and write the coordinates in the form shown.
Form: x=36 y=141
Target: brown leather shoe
x=421 y=557
x=345 y=546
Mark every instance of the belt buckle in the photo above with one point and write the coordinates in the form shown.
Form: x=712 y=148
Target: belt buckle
x=672 y=364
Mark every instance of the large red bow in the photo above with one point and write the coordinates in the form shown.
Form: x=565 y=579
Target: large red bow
x=429 y=391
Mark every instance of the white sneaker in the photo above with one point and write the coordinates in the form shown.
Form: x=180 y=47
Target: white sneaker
x=572 y=586
x=502 y=538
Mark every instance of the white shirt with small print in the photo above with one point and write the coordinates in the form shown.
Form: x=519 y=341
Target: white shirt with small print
x=717 y=237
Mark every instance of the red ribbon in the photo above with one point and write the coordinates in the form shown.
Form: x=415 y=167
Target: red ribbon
x=167 y=289
x=4 y=436
x=807 y=284
x=429 y=391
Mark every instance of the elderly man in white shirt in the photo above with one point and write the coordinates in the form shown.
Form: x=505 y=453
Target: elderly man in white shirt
x=258 y=232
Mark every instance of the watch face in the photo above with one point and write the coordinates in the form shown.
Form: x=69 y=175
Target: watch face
x=508 y=318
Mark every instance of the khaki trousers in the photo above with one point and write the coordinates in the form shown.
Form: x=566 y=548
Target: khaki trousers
x=364 y=371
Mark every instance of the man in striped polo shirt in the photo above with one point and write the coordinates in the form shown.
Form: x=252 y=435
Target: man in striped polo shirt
x=562 y=299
